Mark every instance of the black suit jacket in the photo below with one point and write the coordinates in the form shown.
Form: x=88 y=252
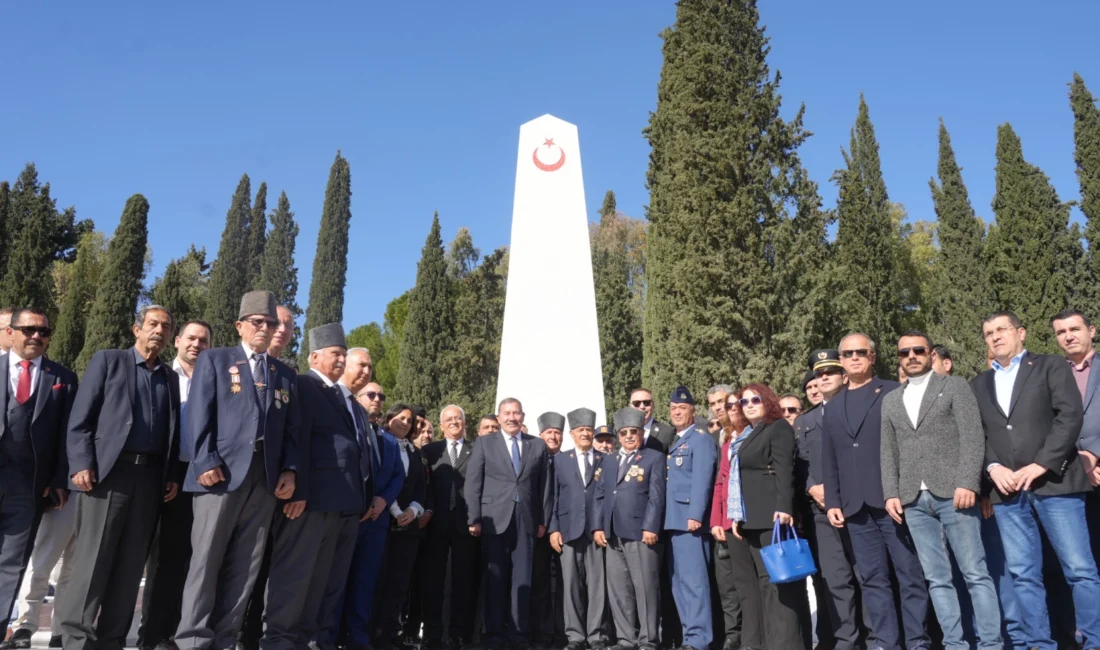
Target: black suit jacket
x=102 y=415
x=443 y=476
x=661 y=436
x=330 y=460
x=414 y=489
x=1042 y=425
x=53 y=401
x=852 y=462
x=767 y=473
x=807 y=468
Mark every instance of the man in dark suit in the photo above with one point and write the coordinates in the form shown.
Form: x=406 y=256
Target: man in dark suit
x=547 y=606
x=242 y=444
x=449 y=537
x=658 y=435
x=851 y=435
x=124 y=449
x=1031 y=412
x=36 y=396
x=506 y=484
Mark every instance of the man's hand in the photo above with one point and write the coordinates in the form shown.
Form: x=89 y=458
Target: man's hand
x=211 y=478
x=555 y=541
x=424 y=519
x=1027 y=474
x=284 y=488
x=986 y=507
x=718 y=533
x=648 y=538
x=893 y=508
x=694 y=525
x=836 y=517
x=965 y=498
x=84 y=479
x=475 y=530
x=1003 y=478
x=817 y=493
x=600 y=538
x=406 y=517
x=541 y=531
x=376 y=508
x=1088 y=460
x=1094 y=476
x=294 y=509
x=170 y=491
x=62 y=496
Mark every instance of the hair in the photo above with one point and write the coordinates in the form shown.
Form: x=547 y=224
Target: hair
x=918 y=333
x=851 y=334
x=509 y=400
x=1010 y=315
x=363 y=350
x=16 y=314
x=452 y=406
x=1062 y=315
x=772 y=411
x=640 y=388
x=942 y=352
x=396 y=410
x=790 y=396
x=736 y=417
x=202 y=323
x=6 y=310
x=139 y=321
x=420 y=412
x=491 y=417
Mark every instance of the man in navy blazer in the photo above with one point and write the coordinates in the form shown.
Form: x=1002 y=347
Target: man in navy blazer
x=852 y=468
x=36 y=396
x=507 y=481
x=123 y=448
x=242 y=442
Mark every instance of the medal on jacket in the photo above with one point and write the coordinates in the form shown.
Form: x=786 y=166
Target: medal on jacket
x=234 y=380
x=679 y=461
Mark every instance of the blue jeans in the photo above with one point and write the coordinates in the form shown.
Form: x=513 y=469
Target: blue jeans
x=930 y=519
x=1011 y=629
x=1063 y=521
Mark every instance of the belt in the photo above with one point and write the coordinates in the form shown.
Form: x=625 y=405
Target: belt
x=141 y=459
x=258 y=446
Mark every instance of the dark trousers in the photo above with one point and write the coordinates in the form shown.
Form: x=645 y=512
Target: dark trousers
x=878 y=543
x=547 y=605
x=253 y=628
x=115 y=523
x=166 y=572
x=358 y=601
x=462 y=551
x=414 y=604
x=19 y=516
x=727 y=596
x=393 y=585
x=508 y=562
x=832 y=550
x=672 y=631
x=769 y=612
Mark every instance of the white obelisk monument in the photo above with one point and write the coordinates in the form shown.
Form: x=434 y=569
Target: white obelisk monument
x=550 y=346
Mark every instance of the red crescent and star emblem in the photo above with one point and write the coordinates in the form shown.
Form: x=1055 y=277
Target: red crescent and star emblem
x=552 y=167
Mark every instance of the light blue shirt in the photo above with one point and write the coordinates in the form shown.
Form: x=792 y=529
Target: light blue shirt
x=1005 y=378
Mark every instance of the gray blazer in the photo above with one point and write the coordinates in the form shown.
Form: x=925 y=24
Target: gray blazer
x=945 y=449
x=1090 y=428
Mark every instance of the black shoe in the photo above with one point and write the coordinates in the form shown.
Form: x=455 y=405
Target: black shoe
x=575 y=645
x=20 y=639
x=55 y=641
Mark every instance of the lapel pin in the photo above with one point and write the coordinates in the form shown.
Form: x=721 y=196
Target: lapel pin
x=877 y=391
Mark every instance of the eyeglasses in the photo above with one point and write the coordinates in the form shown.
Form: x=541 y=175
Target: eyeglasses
x=791 y=410
x=371 y=396
x=639 y=403
x=713 y=424
x=861 y=353
x=828 y=372
x=918 y=350
x=629 y=431
x=259 y=322
x=731 y=405
x=755 y=400
x=31 y=330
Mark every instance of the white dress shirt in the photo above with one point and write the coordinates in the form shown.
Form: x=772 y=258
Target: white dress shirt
x=451 y=444
x=516 y=440
x=344 y=390
x=14 y=370
x=404 y=445
x=248 y=352
x=911 y=397
x=581 y=455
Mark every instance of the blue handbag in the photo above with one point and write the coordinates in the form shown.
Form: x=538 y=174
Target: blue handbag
x=787 y=560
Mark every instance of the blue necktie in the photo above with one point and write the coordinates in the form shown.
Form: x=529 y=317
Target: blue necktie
x=515 y=454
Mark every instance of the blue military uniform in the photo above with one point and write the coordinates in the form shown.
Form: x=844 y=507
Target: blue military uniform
x=691 y=464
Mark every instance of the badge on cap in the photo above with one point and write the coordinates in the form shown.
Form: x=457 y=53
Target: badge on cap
x=822 y=355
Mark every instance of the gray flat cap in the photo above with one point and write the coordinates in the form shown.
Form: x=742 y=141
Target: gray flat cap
x=327 y=336
x=551 y=420
x=582 y=417
x=629 y=417
x=258 y=303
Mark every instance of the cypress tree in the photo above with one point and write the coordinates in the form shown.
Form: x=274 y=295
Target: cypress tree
x=31 y=216
x=393 y=332
x=257 y=235
x=183 y=287
x=68 y=338
x=277 y=271
x=330 y=263
x=1029 y=250
x=1086 y=137
x=112 y=313
x=719 y=185
x=6 y=230
x=872 y=297
x=228 y=276
x=428 y=327
x=959 y=298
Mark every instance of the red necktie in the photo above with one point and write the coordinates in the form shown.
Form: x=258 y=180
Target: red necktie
x=23 y=390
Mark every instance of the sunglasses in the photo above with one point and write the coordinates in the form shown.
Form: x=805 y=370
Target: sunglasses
x=755 y=400
x=713 y=424
x=791 y=410
x=639 y=403
x=861 y=353
x=731 y=405
x=918 y=350
x=371 y=396
x=30 y=330
x=259 y=323
x=828 y=372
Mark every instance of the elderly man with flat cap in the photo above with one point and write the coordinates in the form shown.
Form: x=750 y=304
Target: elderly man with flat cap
x=241 y=438
x=626 y=519
x=582 y=562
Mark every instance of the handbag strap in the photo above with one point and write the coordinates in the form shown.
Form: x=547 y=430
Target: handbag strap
x=776 y=534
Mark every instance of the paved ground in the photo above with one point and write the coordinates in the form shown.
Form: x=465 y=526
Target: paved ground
x=41 y=638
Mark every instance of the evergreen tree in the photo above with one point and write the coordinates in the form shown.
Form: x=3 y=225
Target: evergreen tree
x=368 y=336
x=7 y=231
x=1029 y=251
x=428 y=327
x=68 y=338
x=330 y=263
x=725 y=185
x=277 y=271
x=1086 y=136
x=959 y=296
x=228 y=276
x=393 y=332
x=112 y=313
x=872 y=293
x=257 y=236
x=183 y=288
x=31 y=217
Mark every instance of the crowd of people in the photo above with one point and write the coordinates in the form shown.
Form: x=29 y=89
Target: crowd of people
x=267 y=509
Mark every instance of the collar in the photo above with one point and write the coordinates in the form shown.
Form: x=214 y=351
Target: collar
x=179 y=369
x=922 y=380
x=517 y=438
x=997 y=367
x=328 y=382
x=451 y=443
x=1084 y=364
x=140 y=360
x=14 y=359
x=248 y=352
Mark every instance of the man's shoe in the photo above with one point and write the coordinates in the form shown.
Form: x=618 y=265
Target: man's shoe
x=20 y=640
x=55 y=641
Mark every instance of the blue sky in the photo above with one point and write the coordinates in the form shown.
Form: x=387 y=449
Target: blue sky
x=425 y=99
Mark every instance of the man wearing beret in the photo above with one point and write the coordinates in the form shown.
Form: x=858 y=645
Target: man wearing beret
x=626 y=519
x=241 y=439
x=692 y=457
x=548 y=623
x=582 y=562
